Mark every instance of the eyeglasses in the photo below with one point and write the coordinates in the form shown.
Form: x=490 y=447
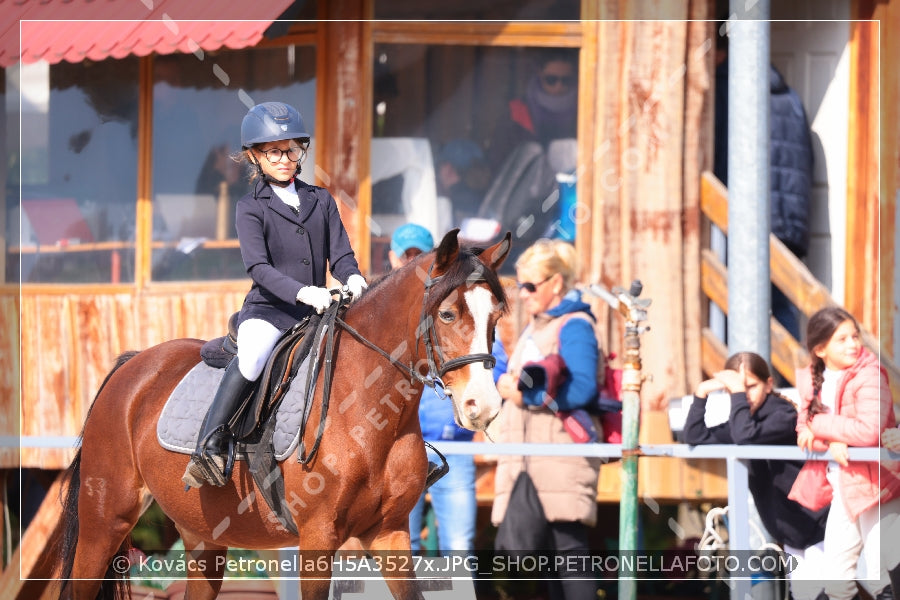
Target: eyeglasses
x=552 y=80
x=274 y=155
x=532 y=287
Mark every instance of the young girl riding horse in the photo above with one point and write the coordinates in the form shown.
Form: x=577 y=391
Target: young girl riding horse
x=289 y=233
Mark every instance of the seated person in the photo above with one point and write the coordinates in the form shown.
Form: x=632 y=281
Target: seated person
x=760 y=416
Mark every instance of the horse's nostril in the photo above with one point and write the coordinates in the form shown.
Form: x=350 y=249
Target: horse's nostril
x=471 y=407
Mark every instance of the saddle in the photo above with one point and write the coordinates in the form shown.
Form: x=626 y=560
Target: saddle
x=265 y=396
x=253 y=424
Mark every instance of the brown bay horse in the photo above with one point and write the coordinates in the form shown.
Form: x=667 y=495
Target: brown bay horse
x=434 y=317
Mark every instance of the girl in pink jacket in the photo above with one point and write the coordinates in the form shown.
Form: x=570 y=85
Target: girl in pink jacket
x=845 y=400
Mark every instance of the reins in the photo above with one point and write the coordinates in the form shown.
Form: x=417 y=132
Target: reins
x=435 y=374
x=436 y=368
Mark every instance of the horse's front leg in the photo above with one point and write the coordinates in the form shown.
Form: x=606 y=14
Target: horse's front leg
x=317 y=545
x=392 y=549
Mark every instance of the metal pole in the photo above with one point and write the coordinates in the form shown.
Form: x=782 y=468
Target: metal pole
x=634 y=311
x=738 y=517
x=749 y=298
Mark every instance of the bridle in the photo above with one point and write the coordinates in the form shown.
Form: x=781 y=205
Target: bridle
x=438 y=366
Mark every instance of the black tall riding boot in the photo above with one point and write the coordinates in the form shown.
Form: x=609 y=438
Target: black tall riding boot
x=213 y=459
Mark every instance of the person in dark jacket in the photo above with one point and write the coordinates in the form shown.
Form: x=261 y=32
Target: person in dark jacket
x=290 y=234
x=548 y=110
x=790 y=170
x=761 y=416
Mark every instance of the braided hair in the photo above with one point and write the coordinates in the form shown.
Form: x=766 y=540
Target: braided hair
x=819 y=330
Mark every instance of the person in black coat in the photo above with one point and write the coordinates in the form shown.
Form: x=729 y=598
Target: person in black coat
x=791 y=162
x=290 y=235
x=760 y=416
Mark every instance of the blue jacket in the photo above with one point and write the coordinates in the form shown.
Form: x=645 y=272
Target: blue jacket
x=436 y=418
x=790 y=158
x=284 y=251
x=578 y=349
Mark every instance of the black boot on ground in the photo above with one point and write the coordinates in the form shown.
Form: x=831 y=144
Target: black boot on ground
x=211 y=462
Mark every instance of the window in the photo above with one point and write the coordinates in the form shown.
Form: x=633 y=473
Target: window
x=477 y=137
x=79 y=173
x=196 y=138
x=79 y=163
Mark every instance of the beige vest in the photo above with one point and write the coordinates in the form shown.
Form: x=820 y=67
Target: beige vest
x=567 y=486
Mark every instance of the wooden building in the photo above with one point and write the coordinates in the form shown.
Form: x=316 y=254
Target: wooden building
x=118 y=245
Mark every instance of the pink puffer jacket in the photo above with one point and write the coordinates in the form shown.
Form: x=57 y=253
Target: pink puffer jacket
x=863 y=410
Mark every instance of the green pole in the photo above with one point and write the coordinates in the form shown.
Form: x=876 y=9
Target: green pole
x=430 y=543
x=634 y=310
x=628 y=504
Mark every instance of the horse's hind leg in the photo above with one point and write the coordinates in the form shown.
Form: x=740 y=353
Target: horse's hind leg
x=108 y=508
x=205 y=567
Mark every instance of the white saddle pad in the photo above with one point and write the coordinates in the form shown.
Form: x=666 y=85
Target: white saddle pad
x=179 y=423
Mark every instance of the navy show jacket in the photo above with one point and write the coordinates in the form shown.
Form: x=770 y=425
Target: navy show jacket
x=284 y=250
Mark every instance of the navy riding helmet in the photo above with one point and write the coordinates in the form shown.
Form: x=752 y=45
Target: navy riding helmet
x=271 y=122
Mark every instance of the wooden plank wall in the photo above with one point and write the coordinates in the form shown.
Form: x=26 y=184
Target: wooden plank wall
x=9 y=373
x=653 y=93
x=70 y=341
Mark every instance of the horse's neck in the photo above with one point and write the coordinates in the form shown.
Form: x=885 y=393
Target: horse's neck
x=389 y=314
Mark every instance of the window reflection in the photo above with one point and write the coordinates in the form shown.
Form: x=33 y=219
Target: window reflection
x=196 y=134
x=79 y=173
x=487 y=143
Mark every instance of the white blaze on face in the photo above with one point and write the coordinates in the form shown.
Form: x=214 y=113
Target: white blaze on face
x=479 y=402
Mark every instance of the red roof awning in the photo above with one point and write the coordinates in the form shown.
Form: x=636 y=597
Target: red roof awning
x=74 y=30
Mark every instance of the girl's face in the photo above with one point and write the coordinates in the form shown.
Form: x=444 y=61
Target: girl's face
x=757 y=390
x=842 y=350
x=279 y=159
x=537 y=291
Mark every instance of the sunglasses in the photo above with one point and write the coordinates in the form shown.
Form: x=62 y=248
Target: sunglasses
x=532 y=287
x=552 y=80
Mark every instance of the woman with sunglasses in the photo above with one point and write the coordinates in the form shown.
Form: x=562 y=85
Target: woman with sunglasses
x=289 y=233
x=538 y=389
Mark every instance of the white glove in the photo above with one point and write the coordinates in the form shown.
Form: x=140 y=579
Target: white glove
x=317 y=297
x=356 y=284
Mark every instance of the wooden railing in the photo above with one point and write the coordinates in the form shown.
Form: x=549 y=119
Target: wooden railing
x=788 y=273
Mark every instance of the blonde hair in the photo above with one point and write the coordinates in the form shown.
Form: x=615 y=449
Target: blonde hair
x=549 y=257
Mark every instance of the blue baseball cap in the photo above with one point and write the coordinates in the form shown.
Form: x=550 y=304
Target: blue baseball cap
x=411 y=236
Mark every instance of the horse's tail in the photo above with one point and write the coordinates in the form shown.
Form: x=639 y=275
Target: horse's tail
x=115 y=585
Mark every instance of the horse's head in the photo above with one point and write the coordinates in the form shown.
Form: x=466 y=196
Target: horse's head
x=464 y=301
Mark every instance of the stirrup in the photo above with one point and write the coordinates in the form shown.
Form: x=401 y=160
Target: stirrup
x=435 y=471
x=214 y=468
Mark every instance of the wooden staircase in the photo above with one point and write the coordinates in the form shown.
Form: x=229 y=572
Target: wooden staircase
x=788 y=273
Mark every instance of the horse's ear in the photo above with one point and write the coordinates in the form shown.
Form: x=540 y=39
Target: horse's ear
x=446 y=253
x=496 y=254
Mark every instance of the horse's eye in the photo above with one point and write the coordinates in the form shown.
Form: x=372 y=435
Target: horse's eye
x=447 y=316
